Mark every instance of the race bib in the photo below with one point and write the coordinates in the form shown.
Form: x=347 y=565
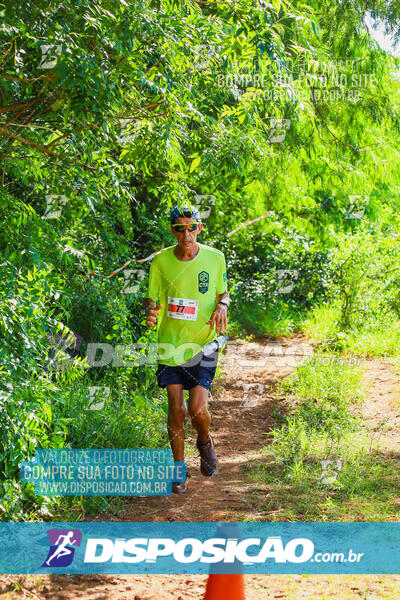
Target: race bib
x=182 y=308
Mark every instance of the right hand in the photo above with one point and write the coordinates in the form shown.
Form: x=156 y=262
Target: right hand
x=151 y=315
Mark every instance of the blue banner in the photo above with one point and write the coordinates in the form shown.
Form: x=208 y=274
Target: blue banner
x=175 y=548
x=135 y=472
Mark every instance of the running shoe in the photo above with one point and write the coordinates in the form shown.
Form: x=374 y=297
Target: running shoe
x=208 y=458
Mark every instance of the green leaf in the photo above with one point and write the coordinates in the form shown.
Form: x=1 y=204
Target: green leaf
x=195 y=163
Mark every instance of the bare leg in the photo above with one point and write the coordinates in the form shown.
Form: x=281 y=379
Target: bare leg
x=176 y=419
x=199 y=414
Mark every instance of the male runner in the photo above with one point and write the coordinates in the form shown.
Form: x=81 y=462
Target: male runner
x=187 y=297
x=62 y=547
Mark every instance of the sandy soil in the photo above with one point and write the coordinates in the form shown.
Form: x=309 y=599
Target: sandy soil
x=182 y=587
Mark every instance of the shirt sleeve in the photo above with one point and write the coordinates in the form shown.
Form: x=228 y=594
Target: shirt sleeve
x=154 y=285
x=221 y=277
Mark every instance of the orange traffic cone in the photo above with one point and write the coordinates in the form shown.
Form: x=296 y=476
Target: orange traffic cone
x=225 y=587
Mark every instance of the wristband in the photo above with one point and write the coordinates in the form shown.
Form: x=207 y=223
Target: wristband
x=224 y=303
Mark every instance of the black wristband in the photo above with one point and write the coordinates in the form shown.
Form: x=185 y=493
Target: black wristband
x=224 y=303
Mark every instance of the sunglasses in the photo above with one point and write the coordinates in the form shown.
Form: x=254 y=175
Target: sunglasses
x=179 y=227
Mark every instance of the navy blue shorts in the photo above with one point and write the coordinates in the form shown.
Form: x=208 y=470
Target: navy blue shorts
x=200 y=370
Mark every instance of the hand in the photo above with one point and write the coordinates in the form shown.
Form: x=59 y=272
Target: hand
x=152 y=314
x=219 y=318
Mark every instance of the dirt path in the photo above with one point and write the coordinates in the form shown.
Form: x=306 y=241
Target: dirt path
x=183 y=587
x=242 y=414
x=381 y=411
x=241 y=406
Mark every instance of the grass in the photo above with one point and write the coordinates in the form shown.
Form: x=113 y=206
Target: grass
x=378 y=338
x=366 y=489
x=321 y=463
x=257 y=319
x=326 y=587
x=129 y=419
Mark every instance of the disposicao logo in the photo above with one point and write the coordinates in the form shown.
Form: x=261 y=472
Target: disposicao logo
x=61 y=551
x=190 y=550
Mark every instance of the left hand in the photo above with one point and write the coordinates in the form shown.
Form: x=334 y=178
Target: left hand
x=219 y=318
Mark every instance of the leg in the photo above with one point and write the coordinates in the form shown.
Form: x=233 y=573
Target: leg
x=201 y=422
x=176 y=419
x=199 y=414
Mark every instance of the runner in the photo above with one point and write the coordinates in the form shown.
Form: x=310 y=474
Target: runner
x=187 y=297
x=62 y=548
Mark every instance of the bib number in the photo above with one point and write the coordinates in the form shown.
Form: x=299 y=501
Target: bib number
x=182 y=308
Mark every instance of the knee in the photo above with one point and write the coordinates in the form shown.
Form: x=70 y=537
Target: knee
x=177 y=413
x=199 y=412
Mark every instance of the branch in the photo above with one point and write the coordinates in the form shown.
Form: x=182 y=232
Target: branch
x=43 y=149
x=11 y=107
x=29 y=79
x=148 y=107
x=357 y=150
x=6 y=55
x=92 y=125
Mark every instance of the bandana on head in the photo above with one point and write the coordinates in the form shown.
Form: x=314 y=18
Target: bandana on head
x=191 y=211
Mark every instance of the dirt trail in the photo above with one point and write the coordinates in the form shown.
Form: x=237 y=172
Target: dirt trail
x=241 y=405
x=241 y=418
x=381 y=411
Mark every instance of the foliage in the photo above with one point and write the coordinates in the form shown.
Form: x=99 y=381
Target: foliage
x=323 y=390
x=321 y=450
x=112 y=111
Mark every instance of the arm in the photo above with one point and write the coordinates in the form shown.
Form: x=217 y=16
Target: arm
x=153 y=291
x=148 y=303
x=151 y=310
x=219 y=316
x=224 y=297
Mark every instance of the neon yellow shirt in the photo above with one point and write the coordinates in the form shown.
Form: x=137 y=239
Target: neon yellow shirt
x=187 y=291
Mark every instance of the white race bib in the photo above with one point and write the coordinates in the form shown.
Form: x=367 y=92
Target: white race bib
x=182 y=308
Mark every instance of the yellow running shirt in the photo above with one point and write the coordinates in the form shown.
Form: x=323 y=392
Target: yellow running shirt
x=187 y=291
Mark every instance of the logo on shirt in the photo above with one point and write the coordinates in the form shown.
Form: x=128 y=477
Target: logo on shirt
x=204 y=280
